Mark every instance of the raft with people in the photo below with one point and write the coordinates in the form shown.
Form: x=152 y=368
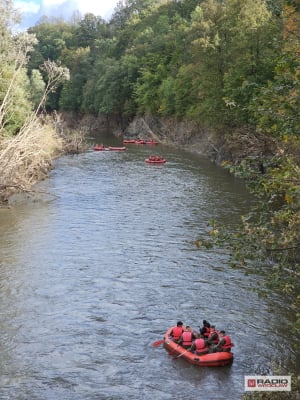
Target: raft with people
x=209 y=348
x=155 y=160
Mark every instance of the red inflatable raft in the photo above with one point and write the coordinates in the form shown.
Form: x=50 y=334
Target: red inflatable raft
x=141 y=141
x=111 y=148
x=155 y=161
x=218 y=359
x=151 y=142
x=98 y=147
x=129 y=141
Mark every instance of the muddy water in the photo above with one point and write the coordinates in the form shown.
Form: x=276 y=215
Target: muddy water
x=96 y=270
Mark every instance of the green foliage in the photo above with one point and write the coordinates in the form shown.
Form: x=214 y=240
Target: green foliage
x=146 y=91
x=107 y=87
x=71 y=96
x=276 y=105
x=53 y=37
x=267 y=240
x=210 y=61
x=186 y=94
x=37 y=87
x=89 y=30
x=166 y=93
x=18 y=105
x=15 y=105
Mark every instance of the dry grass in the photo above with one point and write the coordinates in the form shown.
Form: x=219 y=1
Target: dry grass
x=27 y=158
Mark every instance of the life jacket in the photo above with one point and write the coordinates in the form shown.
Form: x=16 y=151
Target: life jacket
x=176 y=332
x=200 y=346
x=187 y=338
x=211 y=333
x=206 y=331
x=228 y=344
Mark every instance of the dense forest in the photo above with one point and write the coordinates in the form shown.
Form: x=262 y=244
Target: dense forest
x=229 y=65
x=217 y=62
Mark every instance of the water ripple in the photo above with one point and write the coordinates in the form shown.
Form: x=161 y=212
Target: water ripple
x=88 y=281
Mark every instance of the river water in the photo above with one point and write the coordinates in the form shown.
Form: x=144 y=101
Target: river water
x=96 y=270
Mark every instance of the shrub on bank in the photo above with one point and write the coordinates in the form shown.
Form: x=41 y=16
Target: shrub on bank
x=27 y=158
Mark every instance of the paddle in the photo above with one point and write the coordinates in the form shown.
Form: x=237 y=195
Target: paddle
x=182 y=354
x=157 y=343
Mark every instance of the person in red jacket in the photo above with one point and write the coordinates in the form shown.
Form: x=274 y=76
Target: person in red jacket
x=205 y=329
x=213 y=337
x=187 y=337
x=200 y=346
x=177 y=331
x=224 y=343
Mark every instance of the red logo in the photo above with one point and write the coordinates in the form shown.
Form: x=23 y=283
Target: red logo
x=251 y=383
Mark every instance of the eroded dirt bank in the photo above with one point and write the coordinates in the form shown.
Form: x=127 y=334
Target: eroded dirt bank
x=215 y=144
x=27 y=158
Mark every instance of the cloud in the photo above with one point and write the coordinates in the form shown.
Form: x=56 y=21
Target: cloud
x=33 y=11
x=101 y=7
x=27 y=7
x=57 y=8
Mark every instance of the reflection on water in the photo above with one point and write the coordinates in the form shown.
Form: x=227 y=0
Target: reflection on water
x=92 y=276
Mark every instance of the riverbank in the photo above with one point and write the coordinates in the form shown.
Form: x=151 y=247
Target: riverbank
x=27 y=158
x=211 y=143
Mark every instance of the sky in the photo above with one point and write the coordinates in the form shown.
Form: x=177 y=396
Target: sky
x=32 y=10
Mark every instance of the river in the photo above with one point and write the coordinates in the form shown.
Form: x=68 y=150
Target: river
x=95 y=270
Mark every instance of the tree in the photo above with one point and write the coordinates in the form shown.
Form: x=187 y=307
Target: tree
x=14 y=99
x=37 y=87
x=255 y=39
x=210 y=39
x=276 y=106
x=71 y=96
x=89 y=29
